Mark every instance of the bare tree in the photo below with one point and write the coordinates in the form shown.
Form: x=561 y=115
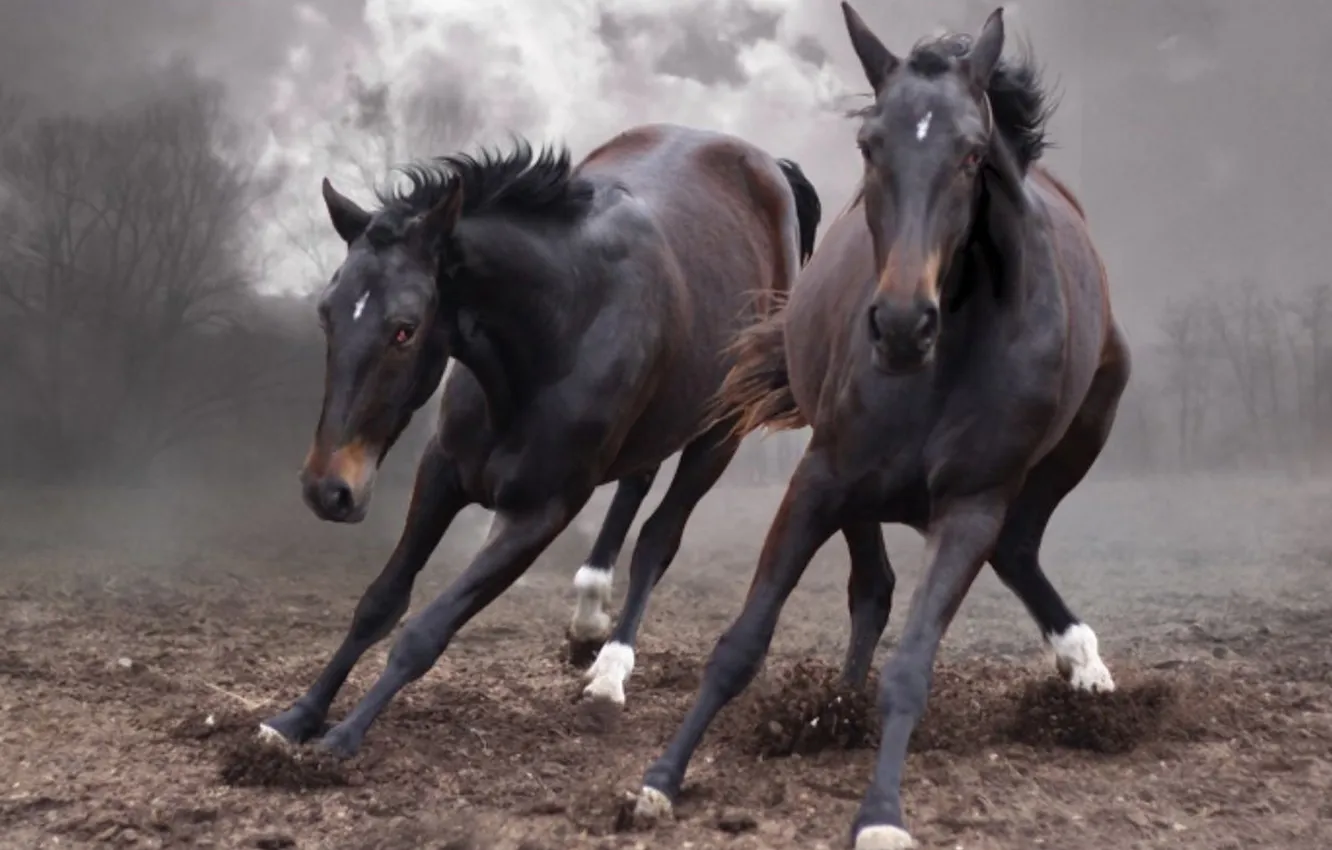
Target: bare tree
x=130 y=248
x=1188 y=373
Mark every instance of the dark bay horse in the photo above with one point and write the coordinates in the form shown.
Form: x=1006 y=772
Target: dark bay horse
x=952 y=345
x=590 y=309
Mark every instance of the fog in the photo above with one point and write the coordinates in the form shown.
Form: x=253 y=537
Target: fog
x=163 y=229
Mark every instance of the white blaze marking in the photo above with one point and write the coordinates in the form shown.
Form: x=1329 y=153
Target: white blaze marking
x=590 y=620
x=609 y=672
x=1077 y=657
x=359 y=307
x=923 y=126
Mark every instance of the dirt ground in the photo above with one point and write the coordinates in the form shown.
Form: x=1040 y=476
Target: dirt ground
x=143 y=637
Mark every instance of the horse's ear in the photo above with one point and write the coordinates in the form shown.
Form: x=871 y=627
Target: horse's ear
x=983 y=57
x=349 y=220
x=876 y=59
x=436 y=223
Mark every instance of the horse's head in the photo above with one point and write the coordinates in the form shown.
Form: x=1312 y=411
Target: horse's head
x=386 y=349
x=924 y=141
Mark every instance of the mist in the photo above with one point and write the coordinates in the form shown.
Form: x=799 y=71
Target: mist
x=186 y=359
x=162 y=239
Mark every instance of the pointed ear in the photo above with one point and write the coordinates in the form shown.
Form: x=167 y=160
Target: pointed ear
x=349 y=220
x=980 y=62
x=877 y=60
x=438 y=222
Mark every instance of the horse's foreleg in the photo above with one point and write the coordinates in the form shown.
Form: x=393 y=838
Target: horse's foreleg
x=702 y=462
x=516 y=541
x=436 y=499
x=591 y=620
x=805 y=520
x=957 y=545
x=1016 y=558
x=869 y=595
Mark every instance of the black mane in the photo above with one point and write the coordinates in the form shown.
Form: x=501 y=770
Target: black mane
x=1022 y=106
x=537 y=181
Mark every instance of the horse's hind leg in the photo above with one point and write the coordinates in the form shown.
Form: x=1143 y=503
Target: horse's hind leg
x=591 y=622
x=702 y=462
x=436 y=499
x=869 y=594
x=1016 y=555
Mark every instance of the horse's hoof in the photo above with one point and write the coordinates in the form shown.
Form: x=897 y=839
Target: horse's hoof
x=884 y=837
x=295 y=726
x=268 y=736
x=609 y=672
x=336 y=745
x=652 y=807
x=606 y=690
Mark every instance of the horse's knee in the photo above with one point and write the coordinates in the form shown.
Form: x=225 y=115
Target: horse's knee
x=414 y=652
x=735 y=661
x=377 y=613
x=904 y=688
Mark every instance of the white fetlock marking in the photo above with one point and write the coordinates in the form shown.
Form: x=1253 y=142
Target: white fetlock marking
x=609 y=672
x=653 y=805
x=590 y=620
x=268 y=735
x=884 y=837
x=1078 y=659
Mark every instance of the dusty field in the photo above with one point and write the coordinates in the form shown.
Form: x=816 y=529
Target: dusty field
x=142 y=641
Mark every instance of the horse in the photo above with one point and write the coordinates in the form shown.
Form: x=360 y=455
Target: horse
x=589 y=309
x=952 y=346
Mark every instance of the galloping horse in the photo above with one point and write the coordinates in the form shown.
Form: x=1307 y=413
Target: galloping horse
x=590 y=309
x=952 y=345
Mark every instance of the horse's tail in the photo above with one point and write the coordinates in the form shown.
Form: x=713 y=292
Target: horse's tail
x=756 y=393
x=809 y=209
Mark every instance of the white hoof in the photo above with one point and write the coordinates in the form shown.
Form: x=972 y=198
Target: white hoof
x=1078 y=660
x=615 y=661
x=268 y=735
x=652 y=806
x=591 y=627
x=605 y=690
x=884 y=838
x=590 y=620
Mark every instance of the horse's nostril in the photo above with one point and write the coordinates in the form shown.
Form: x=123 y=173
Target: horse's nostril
x=927 y=325
x=337 y=498
x=875 y=332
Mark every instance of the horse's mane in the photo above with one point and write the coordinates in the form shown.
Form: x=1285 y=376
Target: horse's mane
x=1021 y=104
x=524 y=180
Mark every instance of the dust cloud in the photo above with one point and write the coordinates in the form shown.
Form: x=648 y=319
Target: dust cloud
x=161 y=366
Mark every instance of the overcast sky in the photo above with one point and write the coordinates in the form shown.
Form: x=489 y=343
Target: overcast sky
x=1208 y=113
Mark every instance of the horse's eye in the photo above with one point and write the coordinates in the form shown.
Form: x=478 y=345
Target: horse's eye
x=404 y=334
x=865 y=150
x=971 y=161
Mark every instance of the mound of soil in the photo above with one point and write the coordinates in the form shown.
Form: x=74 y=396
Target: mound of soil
x=809 y=709
x=1049 y=713
x=251 y=763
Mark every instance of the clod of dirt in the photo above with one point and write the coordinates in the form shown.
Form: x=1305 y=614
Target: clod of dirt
x=736 y=822
x=808 y=710
x=253 y=764
x=274 y=842
x=1050 y=713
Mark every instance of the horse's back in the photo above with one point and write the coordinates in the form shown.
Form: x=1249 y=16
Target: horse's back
x=708 y=228
x=720 y=203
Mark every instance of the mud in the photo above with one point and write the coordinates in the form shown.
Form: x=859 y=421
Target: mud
x=130 y=694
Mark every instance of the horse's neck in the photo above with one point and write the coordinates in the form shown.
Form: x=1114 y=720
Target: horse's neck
x=514 y=332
